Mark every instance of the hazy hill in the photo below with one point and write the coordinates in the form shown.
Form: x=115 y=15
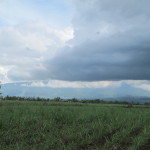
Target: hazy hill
x=123 y=92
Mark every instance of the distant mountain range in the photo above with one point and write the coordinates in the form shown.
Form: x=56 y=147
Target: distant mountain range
x=123 y=92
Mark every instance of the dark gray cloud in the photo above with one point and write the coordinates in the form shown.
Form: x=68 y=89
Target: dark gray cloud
x=112 y=42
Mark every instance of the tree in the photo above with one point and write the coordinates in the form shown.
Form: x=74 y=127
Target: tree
x=57 y=99
x=0 y=90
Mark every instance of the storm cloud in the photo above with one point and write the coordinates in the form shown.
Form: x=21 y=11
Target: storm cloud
x=106 y=40
x=111 y=42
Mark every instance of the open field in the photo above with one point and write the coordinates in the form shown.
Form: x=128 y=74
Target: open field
x=29 y=125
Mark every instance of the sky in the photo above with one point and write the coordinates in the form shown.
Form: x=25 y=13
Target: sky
x=74 y=43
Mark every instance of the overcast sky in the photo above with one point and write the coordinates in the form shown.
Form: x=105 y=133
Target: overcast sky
x=83 y=43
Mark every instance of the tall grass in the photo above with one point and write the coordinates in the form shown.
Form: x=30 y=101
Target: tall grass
x=69 y=126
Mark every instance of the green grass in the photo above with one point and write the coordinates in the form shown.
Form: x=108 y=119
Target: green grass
x=29 y=125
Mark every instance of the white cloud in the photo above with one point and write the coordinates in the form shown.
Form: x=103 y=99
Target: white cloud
x=74 y=84
x=142 y=84
x=31 y=32
x=24 y=47
x=3 y=74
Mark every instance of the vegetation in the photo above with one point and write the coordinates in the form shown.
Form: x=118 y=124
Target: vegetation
x=57 y=125
x=0 y=90
x=58 y=99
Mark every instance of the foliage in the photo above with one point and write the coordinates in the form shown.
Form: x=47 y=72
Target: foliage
x=49 y=125
x=0 y=90
x=58 y=99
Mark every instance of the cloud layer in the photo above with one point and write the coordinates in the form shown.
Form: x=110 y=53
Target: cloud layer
x=23 y=49
x=108 y=40
x=111 y=42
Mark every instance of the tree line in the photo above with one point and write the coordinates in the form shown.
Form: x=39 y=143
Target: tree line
x=58 y=99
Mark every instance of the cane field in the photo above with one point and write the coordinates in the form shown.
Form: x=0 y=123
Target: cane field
x=43 y=125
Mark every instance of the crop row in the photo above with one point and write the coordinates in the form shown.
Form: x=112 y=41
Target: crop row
x=70 y=127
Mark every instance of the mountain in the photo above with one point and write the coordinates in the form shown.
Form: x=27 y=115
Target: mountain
x=122 y=92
